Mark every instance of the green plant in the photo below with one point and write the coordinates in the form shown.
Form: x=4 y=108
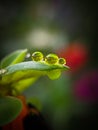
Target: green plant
x=16 y=74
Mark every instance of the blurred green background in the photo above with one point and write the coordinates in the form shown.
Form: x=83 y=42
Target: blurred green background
x=69 y=29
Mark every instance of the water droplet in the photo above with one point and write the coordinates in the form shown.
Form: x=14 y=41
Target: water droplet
x=51 y=59
x=37 y=56
x=62 y=61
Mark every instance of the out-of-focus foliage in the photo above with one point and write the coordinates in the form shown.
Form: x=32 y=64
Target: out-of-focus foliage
x=13 y=58
x=10 y=107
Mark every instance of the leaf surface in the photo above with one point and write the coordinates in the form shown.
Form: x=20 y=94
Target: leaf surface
x=10 y=107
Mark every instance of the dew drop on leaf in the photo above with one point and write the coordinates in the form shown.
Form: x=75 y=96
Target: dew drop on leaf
x=62 y=61
x=51 y=59
x=37 y=56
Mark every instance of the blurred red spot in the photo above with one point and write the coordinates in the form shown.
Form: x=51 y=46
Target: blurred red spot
x=76 y=55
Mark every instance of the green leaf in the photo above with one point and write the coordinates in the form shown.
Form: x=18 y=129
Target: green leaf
x=33 y=65
x=22 y=75
x=23 y=84
x=10 y=108
x=13 y=58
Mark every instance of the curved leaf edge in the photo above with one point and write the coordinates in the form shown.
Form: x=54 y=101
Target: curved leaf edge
x=15 y=101
x=13 y=58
